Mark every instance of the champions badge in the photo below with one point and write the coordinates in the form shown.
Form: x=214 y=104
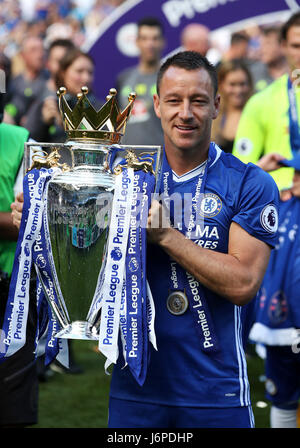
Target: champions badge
x=210 y=206
x=177 y=303
x=269 y=218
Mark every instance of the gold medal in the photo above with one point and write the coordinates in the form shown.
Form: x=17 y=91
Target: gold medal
x=177 y=303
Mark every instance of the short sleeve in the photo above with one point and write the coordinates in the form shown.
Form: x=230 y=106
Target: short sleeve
x=257 y=204
x=250 y=137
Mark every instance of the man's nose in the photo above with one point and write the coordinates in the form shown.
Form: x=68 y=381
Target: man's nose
x=185 y=112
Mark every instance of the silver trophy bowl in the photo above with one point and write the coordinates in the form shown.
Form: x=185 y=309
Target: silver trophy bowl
x=79 y=202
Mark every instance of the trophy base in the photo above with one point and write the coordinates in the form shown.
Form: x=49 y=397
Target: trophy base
x=78 y=330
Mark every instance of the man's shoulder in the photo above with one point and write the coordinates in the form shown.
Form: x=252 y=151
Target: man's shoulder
x=127 y=72
x=262 y=98
x=235 y=167
x=13 y=131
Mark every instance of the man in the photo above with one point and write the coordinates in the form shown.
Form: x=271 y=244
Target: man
x=195 y=37
x=43 y=114
x=18 y=375
x=278 y=309
x=187 y=386
x=29 y=85
x=269 y=122
x=272 y=63
x=143 y=127
x=200 y=276
x=238 y=49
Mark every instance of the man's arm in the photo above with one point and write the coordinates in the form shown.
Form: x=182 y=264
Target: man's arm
x=250 y=137
x=17 y=209
x=8 y=231
x=235 y=276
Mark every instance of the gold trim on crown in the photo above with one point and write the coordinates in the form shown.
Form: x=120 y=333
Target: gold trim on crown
x=85 y=123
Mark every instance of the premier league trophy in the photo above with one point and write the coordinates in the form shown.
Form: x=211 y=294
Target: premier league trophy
x=81 y=219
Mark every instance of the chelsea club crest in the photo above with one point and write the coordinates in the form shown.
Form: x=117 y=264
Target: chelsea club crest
x=210 y=205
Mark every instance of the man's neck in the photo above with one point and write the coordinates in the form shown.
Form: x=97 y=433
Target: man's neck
x=277 y=68
x=183 y=161
x=31 y=74
x=147 y=67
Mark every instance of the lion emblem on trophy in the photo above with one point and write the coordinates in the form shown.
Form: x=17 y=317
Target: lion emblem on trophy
x=137 y=163
x=48 y=161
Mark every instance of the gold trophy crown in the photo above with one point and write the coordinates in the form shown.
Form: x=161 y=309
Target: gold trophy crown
x=83 y=122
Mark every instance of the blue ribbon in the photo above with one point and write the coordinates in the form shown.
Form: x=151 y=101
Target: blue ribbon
x=186 y=282
x=136 y=281
x=37 y=253
x=293 y=119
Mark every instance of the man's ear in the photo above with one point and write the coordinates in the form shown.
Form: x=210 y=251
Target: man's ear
x=156 y=104
x=216 y=106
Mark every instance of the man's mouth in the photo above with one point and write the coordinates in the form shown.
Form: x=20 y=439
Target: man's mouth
x=185 y=128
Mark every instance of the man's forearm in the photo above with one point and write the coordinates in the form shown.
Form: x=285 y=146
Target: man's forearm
x=8 y=231
x=222 y=273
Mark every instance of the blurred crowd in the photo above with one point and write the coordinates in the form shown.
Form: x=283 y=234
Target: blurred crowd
x=37 y=36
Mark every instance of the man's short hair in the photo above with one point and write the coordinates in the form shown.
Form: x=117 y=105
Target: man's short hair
x=267 y=30
x=238 y=37
x=66 y=43
x=294 y=20
x=150 y=21
x=188 y=60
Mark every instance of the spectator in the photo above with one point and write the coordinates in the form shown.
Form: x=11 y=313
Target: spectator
x=235 y=88
x=18 y=374
x=278 y=311
x=195 y=37
x=76 y=70
x=269 y=122
x=272 y=63
x=29 y=85
x=144 y=127
x=39 y=120
x=238 y=49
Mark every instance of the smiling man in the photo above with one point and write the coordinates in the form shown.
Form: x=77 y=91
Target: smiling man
x=202 y=268
x=143 y=127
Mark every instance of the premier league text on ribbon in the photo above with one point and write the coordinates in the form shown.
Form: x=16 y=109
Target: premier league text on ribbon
x=35 y=192
x=117 y=240
x=134 y=291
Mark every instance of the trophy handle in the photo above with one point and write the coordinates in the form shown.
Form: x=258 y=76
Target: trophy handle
x=57 y=312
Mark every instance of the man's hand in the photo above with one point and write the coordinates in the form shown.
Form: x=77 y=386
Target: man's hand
x=158 y=222
x=50 y=112
x=270 y=162
x=17 y=208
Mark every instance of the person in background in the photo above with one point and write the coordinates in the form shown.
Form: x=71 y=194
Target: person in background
x=143 y=127
x=277 y=319
x=42 y=119
x=270 y=119
x=18 y=374
x=28 y=85
x=235 y=88
x=195 y=37
x=272 y=63
x=238 y=49
x=76 y=69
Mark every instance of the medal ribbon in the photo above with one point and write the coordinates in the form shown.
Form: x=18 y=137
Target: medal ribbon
x=186 y=282
x=293 y=119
